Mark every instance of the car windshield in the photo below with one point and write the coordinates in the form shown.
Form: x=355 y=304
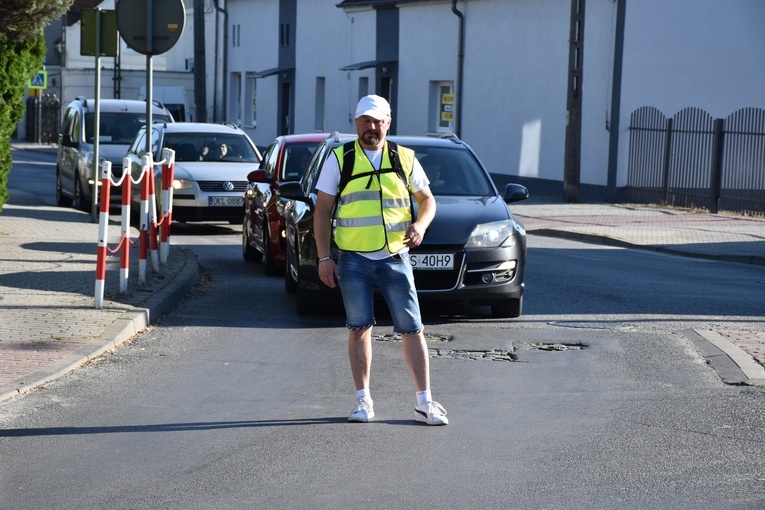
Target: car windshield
x=452 y=171
x=211 y=147
x=118 y=128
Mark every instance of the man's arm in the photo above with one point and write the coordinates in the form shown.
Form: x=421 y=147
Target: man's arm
x=426 y=212
x=322 y=228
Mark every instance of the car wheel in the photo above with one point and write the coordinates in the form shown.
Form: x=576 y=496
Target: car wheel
x=79 y=202
x=271 y=267
x=61 y=199
x=249 y=253
x=507 y=308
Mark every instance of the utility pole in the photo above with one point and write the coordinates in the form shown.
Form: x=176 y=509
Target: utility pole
x=573 y=155
x=200 y=69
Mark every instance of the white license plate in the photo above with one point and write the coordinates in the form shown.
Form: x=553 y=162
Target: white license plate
x=226 y=201
x=432 y=261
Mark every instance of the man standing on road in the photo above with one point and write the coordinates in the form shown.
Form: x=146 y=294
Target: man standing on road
x=375 y=230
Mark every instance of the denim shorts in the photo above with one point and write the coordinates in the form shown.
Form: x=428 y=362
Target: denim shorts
x=393 y=277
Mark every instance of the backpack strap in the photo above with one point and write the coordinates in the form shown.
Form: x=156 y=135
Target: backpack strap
x=395 y=161
x=349 y=157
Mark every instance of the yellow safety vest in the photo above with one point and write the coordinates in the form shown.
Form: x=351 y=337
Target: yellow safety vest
x=374 y=208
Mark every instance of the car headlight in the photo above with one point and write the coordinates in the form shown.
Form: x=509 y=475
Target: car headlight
x=182 y=184
x=491 y=235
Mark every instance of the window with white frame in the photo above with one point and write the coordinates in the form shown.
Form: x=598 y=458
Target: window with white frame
x=442 y=107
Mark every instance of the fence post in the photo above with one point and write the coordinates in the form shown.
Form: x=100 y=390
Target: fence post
x=716 y=179
x=106 y=171
x=667 y=160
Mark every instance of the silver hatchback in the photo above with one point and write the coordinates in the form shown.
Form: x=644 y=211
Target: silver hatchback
x=211 y=166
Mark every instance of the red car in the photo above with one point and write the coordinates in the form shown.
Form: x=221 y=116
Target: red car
x=263 y=228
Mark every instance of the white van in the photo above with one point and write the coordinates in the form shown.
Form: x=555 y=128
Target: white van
x=173 y=97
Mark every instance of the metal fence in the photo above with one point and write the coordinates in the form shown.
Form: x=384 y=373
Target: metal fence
x=43 y=116
x=693 y=160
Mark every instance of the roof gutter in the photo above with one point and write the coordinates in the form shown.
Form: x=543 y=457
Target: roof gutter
x=460 y=63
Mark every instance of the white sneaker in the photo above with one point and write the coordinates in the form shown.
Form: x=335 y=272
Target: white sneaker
x=363 y=412
x=431 y=413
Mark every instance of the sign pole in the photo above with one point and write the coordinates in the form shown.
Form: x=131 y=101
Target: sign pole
x=97 y=122
x=149 y=71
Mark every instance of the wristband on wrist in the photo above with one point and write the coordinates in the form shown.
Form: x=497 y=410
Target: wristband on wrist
x=322 y=259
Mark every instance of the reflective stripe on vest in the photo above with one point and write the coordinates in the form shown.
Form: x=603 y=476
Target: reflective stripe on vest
x=374 y=211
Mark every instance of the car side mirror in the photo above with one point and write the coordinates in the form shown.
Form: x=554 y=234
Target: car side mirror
x=66 y=140
x=292 y=191
x=515 y=193
x=257 y=176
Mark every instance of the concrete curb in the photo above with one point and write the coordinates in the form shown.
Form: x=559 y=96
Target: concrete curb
x=611 y=241
x=731 y=363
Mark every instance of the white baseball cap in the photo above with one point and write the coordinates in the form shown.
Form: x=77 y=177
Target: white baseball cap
x=374 y=106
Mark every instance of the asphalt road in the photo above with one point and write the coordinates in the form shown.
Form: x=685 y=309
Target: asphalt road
x=234 y=401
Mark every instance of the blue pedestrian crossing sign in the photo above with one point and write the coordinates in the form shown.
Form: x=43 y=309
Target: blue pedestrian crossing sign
x=39 y=80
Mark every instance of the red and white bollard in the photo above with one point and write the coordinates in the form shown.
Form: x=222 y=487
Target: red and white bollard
x=125 y=230
x=103 y=223
x=143 y=236
x=153 y=221
x=168 y=171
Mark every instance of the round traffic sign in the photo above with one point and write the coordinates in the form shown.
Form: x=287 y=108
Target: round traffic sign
x=151 y=27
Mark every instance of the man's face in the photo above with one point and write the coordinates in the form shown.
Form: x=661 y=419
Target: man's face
x=372 y=131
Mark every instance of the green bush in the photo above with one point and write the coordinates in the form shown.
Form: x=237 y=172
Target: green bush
x=22 y=53
x=18 y=63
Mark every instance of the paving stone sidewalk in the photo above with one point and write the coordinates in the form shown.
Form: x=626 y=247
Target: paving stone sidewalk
x=48 y=320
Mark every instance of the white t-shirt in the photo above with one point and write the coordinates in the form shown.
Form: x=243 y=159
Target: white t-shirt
x=329 y=180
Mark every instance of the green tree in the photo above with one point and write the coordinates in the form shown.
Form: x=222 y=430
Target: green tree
x=22 y=52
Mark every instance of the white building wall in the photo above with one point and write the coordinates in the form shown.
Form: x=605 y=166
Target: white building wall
x=258 y=50
x=515 y=75
x=691 y=53
x=326 y=41
x=702 y=53
x=428 y=47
